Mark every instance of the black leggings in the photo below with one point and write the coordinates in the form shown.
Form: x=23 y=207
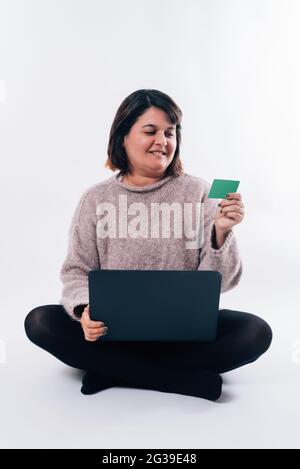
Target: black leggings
x=241 y=339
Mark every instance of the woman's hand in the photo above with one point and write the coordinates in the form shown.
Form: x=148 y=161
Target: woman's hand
x=231 y=213
x=92 y=329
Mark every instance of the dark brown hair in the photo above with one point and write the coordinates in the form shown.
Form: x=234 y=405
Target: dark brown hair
x=127 y=114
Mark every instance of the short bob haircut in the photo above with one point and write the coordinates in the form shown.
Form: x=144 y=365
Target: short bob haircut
x=128 y=113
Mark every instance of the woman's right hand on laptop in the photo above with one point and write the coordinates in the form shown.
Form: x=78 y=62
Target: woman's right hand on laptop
x=92 y=330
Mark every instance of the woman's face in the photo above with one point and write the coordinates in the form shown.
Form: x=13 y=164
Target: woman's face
x=152 y=131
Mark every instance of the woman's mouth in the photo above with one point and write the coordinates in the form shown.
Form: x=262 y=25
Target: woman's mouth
x=158 y=153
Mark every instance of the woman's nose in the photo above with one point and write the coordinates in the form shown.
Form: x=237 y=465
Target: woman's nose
x=161 y=138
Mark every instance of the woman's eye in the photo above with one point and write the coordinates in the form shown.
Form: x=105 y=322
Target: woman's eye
x=151 y=133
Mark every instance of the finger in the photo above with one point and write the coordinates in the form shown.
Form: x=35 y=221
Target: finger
x=90 y=336
x=95 y=334
x=89 y=322
x=89 y=339
x=85 y=315
x=97 y=330
x=94 y=324
x=225 y=203
x=232 y=208
x=234 y=195
x=234 y=216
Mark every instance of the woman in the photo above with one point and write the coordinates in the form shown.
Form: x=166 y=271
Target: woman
x=144 y=145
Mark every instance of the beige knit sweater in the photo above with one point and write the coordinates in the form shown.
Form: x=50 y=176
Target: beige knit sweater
x=118 y=226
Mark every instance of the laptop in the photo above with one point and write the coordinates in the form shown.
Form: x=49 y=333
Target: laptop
x=155 y=305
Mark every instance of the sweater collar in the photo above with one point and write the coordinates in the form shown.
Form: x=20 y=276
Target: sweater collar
x=148 y=188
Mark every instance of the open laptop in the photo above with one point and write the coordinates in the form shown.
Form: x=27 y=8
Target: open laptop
x=155 y=305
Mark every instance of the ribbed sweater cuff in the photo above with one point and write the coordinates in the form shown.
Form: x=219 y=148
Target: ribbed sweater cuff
x=229 y=237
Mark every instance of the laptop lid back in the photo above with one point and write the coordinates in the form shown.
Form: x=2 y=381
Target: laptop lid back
x=155 y=305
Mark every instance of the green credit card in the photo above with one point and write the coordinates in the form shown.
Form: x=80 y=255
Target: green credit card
x=221 y=187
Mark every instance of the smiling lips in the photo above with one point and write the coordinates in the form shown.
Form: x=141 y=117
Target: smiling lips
x=158 y=153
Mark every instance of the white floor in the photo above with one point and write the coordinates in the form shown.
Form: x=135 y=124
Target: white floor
x=41 y=405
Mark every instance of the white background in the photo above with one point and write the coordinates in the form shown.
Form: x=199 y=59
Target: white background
x=233 y=68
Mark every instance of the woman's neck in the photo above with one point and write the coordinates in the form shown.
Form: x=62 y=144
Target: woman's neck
x=139 y=180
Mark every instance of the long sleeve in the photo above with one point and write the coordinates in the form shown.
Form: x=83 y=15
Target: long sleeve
x=82 y=256
x=225 y=260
